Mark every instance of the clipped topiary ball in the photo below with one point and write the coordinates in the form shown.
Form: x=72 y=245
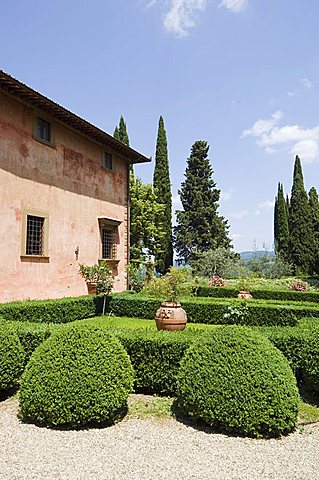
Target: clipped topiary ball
x=310 y=357
x=238 y=382
x=80 y=375
x=11 y=357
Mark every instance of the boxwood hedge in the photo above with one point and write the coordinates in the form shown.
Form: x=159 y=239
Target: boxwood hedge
x=11 y=358
x=156 y=357
x=199 y=310
x=238 y=382
x=230 y=292
x=61 y=310
x=78 y=376
x=212 y=311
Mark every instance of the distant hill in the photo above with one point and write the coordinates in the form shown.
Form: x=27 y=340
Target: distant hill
x=258 y=253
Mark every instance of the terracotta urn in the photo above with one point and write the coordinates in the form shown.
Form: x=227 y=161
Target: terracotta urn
x=91 y=286
x=170 y=316
x=244 y=294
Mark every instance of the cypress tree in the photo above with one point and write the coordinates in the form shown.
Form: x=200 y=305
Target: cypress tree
x=281 y=225
x=162 y=189
x=314 y=207
x=301 y=243
x=120 y=133
x=116 y=133
x=276 y=216
x=199 y=227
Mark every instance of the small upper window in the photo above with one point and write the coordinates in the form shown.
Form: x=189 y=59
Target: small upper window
x=108 y=161
x=43 y=130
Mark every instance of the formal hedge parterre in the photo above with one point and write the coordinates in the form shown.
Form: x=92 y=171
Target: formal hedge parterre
x=286 y=295
x=80 y=375
x=211 y=311
x=199 y=310
x=12 y=357
x=238 y=382
x=156 y=357
x=60 y=310
x=310 y=364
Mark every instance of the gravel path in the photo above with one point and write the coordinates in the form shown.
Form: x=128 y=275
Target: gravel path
x=150 y=449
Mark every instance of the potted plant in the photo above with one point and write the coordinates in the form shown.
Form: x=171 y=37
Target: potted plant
x=244 y=286
x=98 y=278
x=177 y=282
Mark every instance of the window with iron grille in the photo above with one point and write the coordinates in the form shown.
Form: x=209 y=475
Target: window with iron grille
x=35 y=235
x=108 y=243
x=43 y=129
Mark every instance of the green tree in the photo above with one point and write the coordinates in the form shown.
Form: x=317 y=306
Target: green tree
x=301 y=239
x=145 y=212
x=221 y=261
x=199 y=227
x=120 y=132
x=314 y=207
x=162 y=189
x=281 y=228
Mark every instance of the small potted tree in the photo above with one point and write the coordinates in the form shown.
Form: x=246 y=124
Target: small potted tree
x=98 y=278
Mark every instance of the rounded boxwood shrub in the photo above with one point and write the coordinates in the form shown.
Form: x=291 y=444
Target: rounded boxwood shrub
x=310 y=366
x=80 y=375
x=11 y=357
x=238 y=382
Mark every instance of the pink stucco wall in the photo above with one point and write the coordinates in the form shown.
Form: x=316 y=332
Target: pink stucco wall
x=66 y=181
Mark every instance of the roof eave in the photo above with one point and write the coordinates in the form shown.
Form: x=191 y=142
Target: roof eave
x=37 y=100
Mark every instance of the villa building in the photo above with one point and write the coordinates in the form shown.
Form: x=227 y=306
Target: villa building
x=64 y=197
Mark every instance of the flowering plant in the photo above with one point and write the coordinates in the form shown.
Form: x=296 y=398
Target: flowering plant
x=236 y=315
x=299 y=285
x=217 y=281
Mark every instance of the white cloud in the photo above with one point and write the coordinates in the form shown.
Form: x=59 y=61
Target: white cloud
x=306 y=83
x=267 y=204
x=236 y=235
x=264 y=206
x=295 y=139
x=226 y=196
x=181 y=16
x=234 y=5
x=308 y=150
x=262 y=127
x=239 y=215
x=293 y=93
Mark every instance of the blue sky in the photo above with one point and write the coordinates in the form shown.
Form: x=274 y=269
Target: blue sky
x=241 y=74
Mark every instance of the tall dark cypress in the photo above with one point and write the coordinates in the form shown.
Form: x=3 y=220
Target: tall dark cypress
x=281 y=225
x=116 y=133
x=314 y=207
x=162 y=189
x=301 y=243
x=120 y=133
x=199 y=226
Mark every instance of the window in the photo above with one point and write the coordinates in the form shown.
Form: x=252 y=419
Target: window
x=108 y=161
x=43 y=130
x=35 y=234
x=109 y=238
x=108 y=243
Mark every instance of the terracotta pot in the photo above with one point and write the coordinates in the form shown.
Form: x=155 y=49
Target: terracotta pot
x=91 y=288
x=244 y=294
x=170 y=316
